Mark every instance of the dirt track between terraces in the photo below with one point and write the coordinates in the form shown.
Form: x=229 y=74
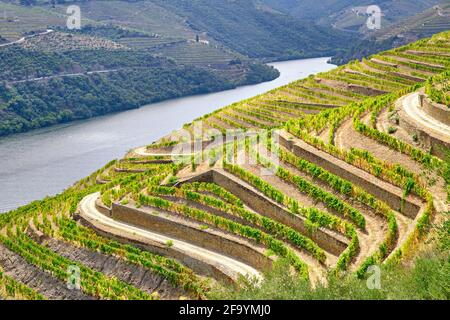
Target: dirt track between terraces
x=233 y=267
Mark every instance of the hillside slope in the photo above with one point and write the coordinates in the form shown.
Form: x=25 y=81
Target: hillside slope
x=342 y=15
x=247 y=27
x=333 y=174
x=58 y=77
x=255 y=30
x=209 y=46
x=423 y=24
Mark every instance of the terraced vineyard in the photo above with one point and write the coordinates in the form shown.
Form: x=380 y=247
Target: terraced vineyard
x=424 y=24
x=438 y=89
x=16 y=21
x=330 y=173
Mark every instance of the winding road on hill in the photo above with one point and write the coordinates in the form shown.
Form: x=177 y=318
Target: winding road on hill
x=70 y=75
x=230 y=267
x=26 y=37
x=412 y=106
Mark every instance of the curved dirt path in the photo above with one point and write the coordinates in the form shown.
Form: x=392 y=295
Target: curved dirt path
x=411 y=105
x=142 y=151
x=231 y=267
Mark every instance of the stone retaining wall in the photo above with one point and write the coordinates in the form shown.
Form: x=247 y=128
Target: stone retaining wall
x=438 y=111
x=120 y=170
x=199 y=266
x=365 y=90
x=326 y=239
x=190 y=147
x=320 y=105
x=191 y=232
x=428 y=140
x=408 y=77
x=382 y=190
x=102 y=208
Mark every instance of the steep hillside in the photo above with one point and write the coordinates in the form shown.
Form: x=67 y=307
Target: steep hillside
x=255 y=30
x=337 y=172
x=247 y=27
x=421 y=25
x=342 y=14
x=57 y=77
x=194 y=46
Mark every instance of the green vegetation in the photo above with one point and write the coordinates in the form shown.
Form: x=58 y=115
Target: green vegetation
x=270 y=226
x=424 y=279
x=12 y=289
x=202 y=187
x=315 y=192
x=135 y=79
x=345 y=114
x=92 y=282
x=316 y=217
x=427 y=279
x=202 y=216
x=169 y=269
x=438 y=89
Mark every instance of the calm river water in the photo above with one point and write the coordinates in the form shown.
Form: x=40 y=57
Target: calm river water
x=46 y=161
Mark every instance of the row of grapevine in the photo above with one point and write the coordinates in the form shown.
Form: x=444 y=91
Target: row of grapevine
x=177 y=274
x=270 y=226
x=259 y=236
x=314 y=191
x=215 y=190
x=316 y=217
x=13 y=289
x=92 y=282
x=346 y=188
x=438 y=88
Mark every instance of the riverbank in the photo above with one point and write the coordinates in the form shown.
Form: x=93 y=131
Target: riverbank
x=46 y=161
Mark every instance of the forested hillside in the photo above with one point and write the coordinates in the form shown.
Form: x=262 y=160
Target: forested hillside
x=402 y=22
x=127 y=54
x=256 y=30
x=247 y=27
x=130 y=53
x=48 y=81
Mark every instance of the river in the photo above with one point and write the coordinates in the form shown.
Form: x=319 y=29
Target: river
x=46 y=161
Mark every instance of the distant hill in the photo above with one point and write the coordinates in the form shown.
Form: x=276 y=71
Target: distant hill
x=133 y=52
x=57 y=77
x=342 y=14
x=256 y=30
x=424 y=24
x=247 y=27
